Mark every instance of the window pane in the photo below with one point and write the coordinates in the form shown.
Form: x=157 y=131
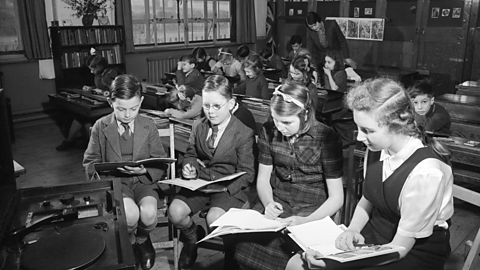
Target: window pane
x=223 y=30
x=223 y=9
x=9 y=28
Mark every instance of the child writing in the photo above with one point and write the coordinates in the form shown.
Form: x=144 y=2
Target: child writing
x=299 y=175
x=187 y=74
x=220 y=145
x=204 y=61
x=228 y=65
x=433 y=117
x=255 y=85
x=187 y=104
x=125 y=136
x=296 y=43
x=334 y=72
x=407 y=198
x=272 y=61
x=299 y=72
x=243 y=52
x=104 y=76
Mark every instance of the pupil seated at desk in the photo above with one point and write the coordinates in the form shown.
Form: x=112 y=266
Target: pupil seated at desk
x=432 y=117
x=188 y=74
x=335 y=76
x=272 y=61
x=205 y=62
x=296 y=44
x=310 y=65
x=228 y=65
x=255 y=84
x=300 y=72
x=243 y=52
x=104 y=76
x=186 y=104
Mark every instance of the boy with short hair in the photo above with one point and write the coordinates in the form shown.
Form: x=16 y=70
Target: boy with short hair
x=433 y=117
x=187 y=74
x=296 y=43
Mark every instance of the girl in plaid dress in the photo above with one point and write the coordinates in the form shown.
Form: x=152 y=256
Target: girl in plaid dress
x=300 y=163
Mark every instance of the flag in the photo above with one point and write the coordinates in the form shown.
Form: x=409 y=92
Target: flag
x=270 y=24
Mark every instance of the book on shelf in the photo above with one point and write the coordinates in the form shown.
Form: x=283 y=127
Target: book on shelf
x=194 y=184
x=243 y=221
x=110 y=166
x=320 y=235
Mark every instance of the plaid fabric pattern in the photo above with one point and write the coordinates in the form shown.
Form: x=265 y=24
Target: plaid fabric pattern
x=298 y=184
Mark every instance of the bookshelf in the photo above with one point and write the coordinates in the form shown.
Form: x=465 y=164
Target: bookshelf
x=71 y=47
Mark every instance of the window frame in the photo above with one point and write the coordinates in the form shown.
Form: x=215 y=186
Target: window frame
x=6 y=54
x=153 y=23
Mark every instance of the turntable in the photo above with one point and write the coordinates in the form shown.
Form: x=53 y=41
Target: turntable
x=76 y=226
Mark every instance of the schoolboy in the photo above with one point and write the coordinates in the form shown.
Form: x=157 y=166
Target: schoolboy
x=187 y=74
x=296 y=43
x=433 y=117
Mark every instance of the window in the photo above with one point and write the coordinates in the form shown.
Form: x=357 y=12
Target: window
x=10 y=39
x=177 y=21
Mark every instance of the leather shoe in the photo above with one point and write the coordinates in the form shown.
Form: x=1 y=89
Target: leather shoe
x=189 y=251
x=146 y=254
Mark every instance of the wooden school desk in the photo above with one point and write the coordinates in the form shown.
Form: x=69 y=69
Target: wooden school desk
x=83 y=103
x=403 y=75
x=469 y=88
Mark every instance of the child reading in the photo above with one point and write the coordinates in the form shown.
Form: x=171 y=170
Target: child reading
x=272 y=61
x=334 y=72
x=220 y=145
x=243 y=52
x=104 y=76
x=432 y=117
x=187 y=74
x=228 y=65
x=299 y=73
x=187 y=104
x=407 y=194
x=299 y=175
x=255 y=85
x=204 y=61
x=296 y=44
x=125 y=136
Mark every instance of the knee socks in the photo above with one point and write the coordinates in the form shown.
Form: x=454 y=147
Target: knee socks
x=143 y=232
x=190 y=232
x=131 y=233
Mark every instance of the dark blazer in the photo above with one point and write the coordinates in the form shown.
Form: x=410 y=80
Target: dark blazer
x=104 y=146
x=234 y=153
x=195 y=79
x=336 y=41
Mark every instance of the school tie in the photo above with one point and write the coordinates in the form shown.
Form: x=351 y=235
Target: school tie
x=126 y=134
x=211 y=140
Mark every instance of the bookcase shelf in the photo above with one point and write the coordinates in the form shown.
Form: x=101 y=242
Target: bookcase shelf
x=71 y=47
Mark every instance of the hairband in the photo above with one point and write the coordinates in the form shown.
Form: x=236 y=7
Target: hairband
x=93 y=51
x=222 y=52
x=288 y=98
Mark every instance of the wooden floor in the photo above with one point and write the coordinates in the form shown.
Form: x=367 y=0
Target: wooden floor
x=35 y=150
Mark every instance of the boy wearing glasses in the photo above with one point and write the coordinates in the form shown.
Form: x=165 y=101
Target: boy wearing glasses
x=187 y=74
x=220 y=145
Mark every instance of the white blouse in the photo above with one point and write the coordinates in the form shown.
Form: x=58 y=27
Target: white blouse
x=426 y=198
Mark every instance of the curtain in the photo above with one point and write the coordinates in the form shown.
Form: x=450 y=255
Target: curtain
x=33 y=28
x=246 y=31
x=123 y=16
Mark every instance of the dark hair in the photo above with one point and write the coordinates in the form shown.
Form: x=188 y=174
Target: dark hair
x=97 y=61
x=295 y=39
x=243 y=51
x=253 y=62
x=125 y=86
x=284 y=108
x=300 y=63
x=199 y=53
x=307 y=54
x=393 y=108
x=312 y=18
x=422 y=87
x=338 y=58
x=266 y=52
x=220 y=84
x=190 y=58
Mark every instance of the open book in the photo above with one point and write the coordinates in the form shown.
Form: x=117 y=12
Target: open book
x=195 y=184
x=109 y=166
x=320 y=235
x=243 y=221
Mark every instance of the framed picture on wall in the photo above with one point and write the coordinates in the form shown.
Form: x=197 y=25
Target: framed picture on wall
x=361 y=28
x=457 y=12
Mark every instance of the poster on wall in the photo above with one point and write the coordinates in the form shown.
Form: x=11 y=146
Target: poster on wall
x=361 y=28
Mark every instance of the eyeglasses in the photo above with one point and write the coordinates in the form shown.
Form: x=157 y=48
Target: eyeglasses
x=288 y=98
x=215 y=107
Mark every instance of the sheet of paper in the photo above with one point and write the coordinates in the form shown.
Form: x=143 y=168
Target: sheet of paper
x=246 y=219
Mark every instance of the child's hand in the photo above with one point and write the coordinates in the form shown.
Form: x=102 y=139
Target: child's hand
x=327 y=71
x=273 y=210
x=293 y=220
x=189 y=171
x=140 y=170
x=314 y=259
x=179 y=65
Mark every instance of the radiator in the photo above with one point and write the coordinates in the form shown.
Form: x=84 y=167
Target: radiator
x=157 y=67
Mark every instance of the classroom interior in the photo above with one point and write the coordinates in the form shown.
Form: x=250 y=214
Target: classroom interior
x=417 y=44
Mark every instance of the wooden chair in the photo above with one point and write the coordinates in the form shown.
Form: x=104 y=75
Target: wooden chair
x=169 y=191
x=473 y=198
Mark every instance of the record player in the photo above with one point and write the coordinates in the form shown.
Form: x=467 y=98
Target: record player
x=75 y=226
